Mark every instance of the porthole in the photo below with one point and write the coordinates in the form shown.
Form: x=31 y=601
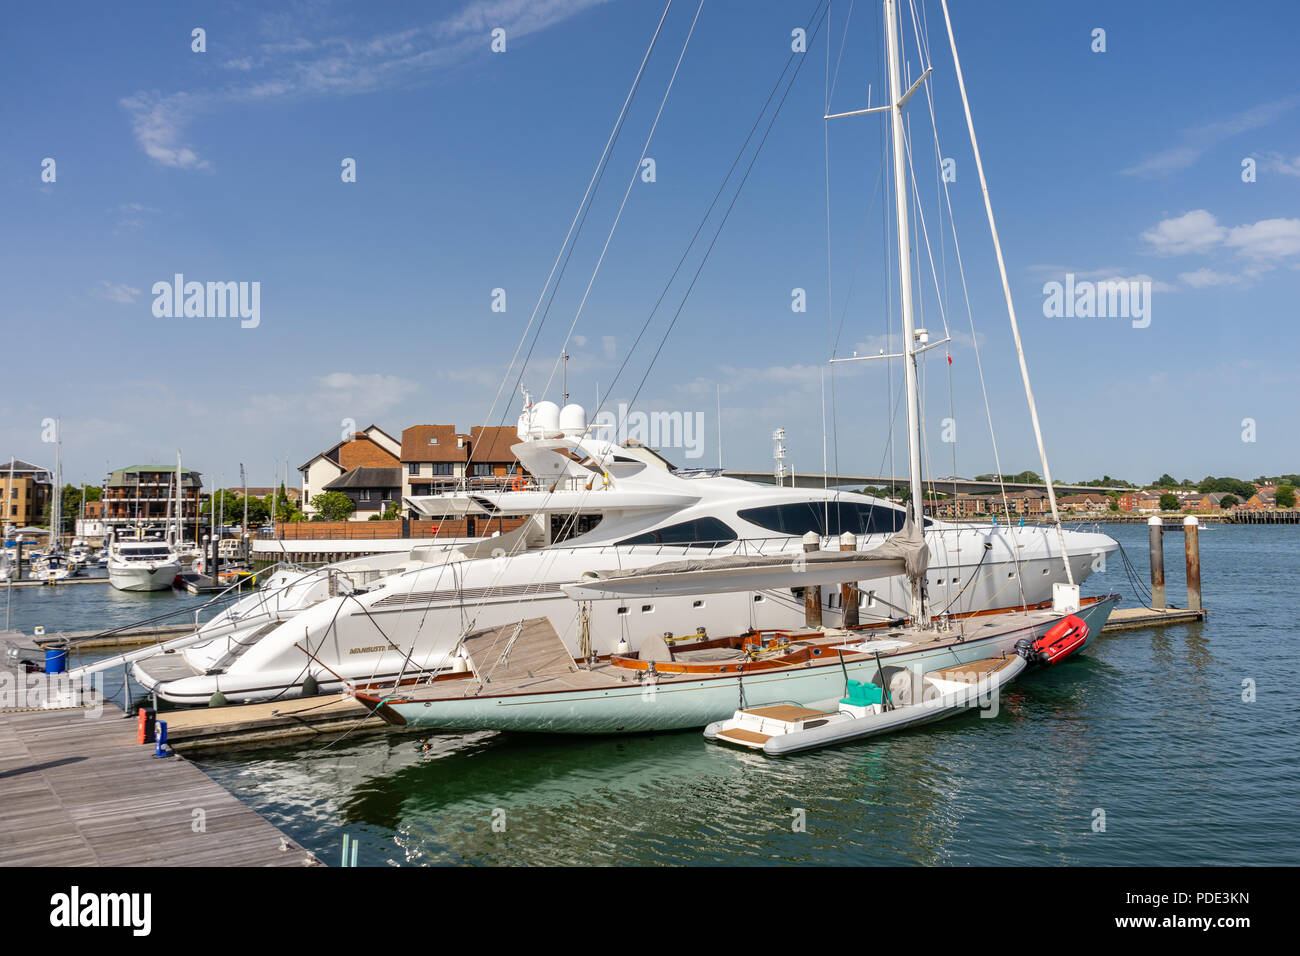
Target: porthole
x=622 y=610
x=647 y=608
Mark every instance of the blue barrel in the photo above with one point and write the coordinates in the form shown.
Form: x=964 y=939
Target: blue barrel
x=56 y=660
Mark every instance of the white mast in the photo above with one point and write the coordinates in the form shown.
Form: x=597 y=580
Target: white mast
x=915 y=341
x=180 y=503
x=910 y=343
x=56 y=506
x=904 y=261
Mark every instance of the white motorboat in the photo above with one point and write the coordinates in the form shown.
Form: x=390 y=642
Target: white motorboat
x=599 y=506
x=51 y=568
x=145 y=564
x=80 y=555
x=898 y=699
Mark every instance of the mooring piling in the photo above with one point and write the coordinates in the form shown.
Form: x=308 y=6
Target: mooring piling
x=849 y=590
x=812 y=594
x=1156 y=529
x=1192 y=550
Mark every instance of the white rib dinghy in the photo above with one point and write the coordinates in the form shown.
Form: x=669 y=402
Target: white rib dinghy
x=896 y=699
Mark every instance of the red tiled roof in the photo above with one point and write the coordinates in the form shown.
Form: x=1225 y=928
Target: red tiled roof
x=416 y=446
x=491 y=443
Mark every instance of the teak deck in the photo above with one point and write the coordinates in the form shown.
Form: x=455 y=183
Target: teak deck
x=79 y=791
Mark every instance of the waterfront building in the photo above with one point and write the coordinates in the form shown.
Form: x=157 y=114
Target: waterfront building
x=1085 y=503
x=433 y=459
x=25 y=498
x=490 y=455
x=371 y=490
x=371 y=447
x=146 y=495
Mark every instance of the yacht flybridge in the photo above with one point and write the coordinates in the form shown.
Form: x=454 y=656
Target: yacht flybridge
x=593 y=505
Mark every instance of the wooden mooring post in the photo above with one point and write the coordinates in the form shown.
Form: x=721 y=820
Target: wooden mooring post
x=1192 y=551
x=849 y=590
x=812 y=594
x=1156 y=530
x=1159 y=613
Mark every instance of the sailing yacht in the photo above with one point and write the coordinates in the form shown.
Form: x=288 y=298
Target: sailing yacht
x=52 y=568
x=595 y=505
x=522 y=675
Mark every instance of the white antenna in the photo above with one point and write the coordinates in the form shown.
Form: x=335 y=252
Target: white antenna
x=778 y=456
x=719 y=388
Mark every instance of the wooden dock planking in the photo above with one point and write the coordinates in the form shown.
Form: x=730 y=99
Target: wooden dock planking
x=269 y=723
x=1128 y=618
x=77 y=790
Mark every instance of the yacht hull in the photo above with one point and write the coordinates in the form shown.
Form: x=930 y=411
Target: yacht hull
x=687 y=704
x=144 y=578
x=413 y=623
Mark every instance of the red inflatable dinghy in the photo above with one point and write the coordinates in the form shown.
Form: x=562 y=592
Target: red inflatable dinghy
x=1061 y=640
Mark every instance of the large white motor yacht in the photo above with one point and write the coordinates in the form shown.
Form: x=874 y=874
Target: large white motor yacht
x=594 y=505
x=147 y=564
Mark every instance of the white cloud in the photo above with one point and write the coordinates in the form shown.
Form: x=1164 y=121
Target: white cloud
x=1277 y=163
x=1266 y=239
x=117 y=292
x=1197 y=140
x=131 y=216
x=1263 y=242
x=157 y=122
x=1105 y=274
x=1196 y=231
x=1204 y=278
x=374 y=384
x=294 y=65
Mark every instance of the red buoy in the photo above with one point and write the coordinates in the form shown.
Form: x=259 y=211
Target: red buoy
x=1061 y=640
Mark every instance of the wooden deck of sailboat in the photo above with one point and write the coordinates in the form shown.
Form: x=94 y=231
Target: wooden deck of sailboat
x=971 y=673
x=788 y=712
x=530 y=658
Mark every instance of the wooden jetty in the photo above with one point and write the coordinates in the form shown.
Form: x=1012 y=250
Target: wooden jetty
x=325 y=717
x=77 y=789
x=1129 y=618
x=53 y=584
x=134 y=637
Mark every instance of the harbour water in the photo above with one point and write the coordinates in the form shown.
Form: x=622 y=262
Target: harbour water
x=1143 y=752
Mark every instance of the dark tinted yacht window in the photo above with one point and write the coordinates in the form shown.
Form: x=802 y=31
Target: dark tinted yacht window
x=852 y=516
x=701 y=532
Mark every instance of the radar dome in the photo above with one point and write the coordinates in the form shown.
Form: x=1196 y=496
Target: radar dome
x=546 y=420
x=573 y=421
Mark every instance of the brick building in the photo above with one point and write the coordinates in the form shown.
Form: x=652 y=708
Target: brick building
x=146 y=494
x=371 y=447
x=27 y=495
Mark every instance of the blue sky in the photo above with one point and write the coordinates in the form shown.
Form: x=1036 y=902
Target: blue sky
x=376 y=295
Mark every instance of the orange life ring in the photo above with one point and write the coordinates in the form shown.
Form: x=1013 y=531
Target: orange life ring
x=519 y=483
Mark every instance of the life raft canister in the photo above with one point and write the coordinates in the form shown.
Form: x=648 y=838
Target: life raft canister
x=1061 y=640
